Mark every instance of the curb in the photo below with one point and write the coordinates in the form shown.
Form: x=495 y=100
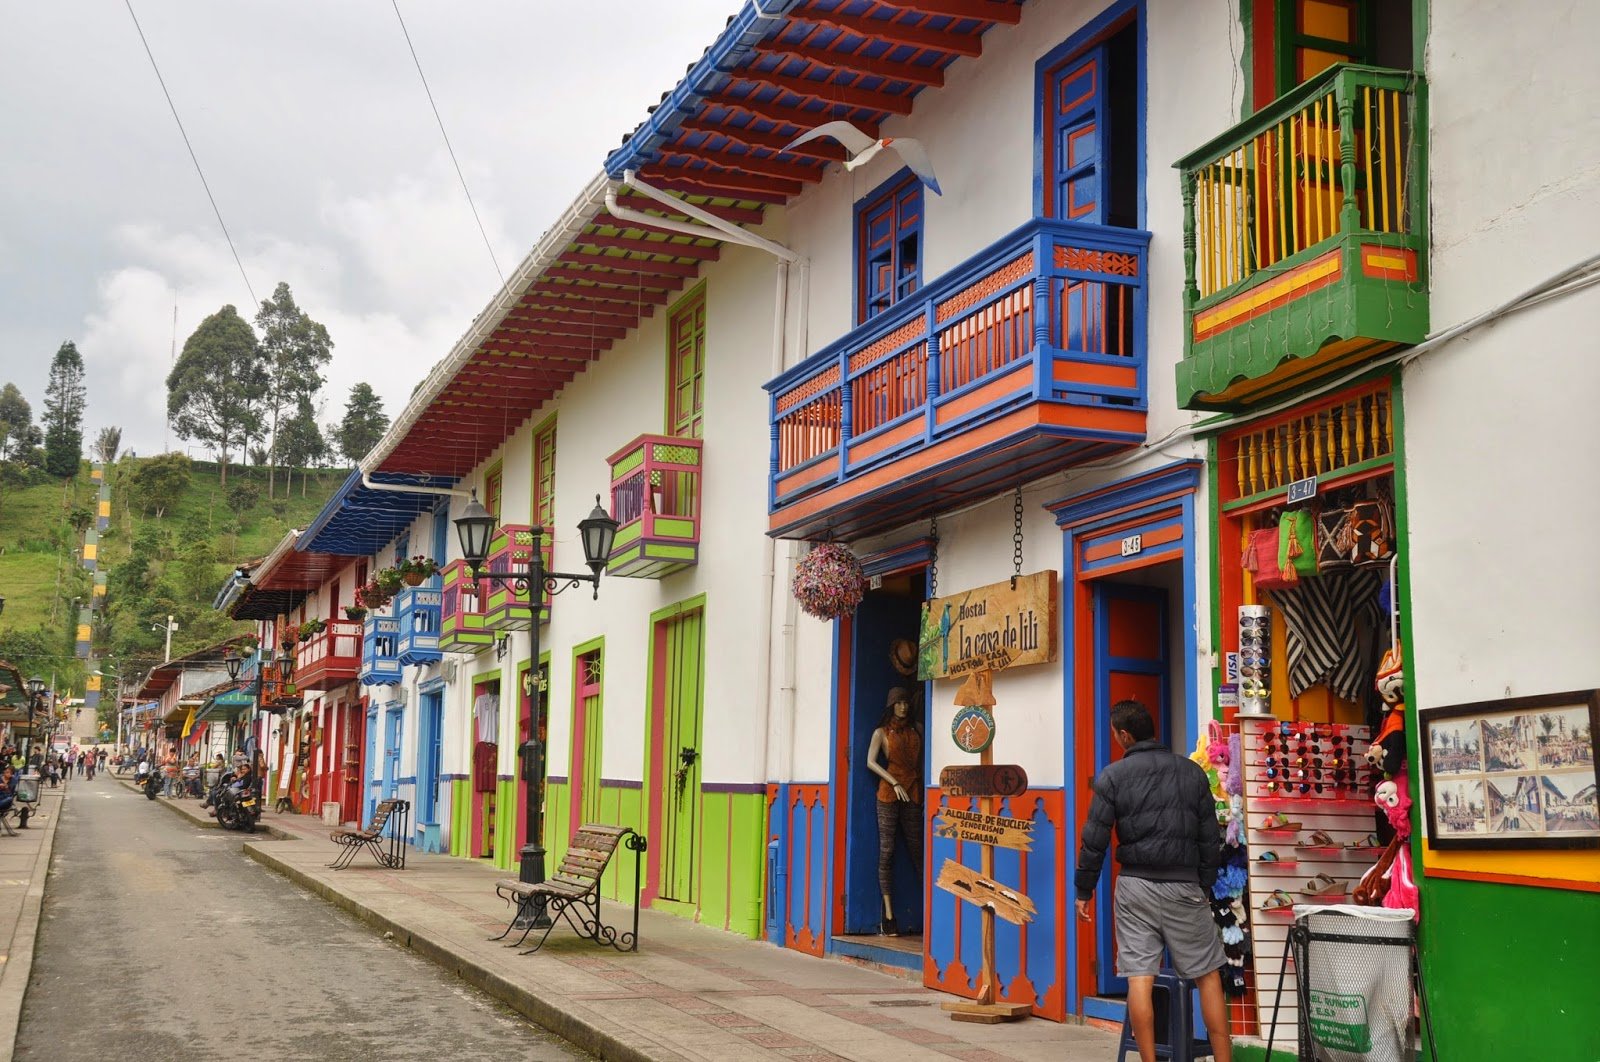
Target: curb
x=548 y=1014
x=18 y=966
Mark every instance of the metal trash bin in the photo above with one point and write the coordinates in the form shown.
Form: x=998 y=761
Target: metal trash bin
x=1355 y=986
x=28 y=789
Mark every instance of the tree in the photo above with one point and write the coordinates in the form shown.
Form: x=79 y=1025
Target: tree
x=364 y=423
x=64 y=399
x=295 y=349
x=300 y=441
x=215 y=390
x=107 y=443
x=16 y=420
x=155 y=482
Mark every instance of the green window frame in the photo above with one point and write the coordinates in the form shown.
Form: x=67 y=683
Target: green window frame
x=686 y=365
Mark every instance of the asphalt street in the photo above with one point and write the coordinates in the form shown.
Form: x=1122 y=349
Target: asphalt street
x=160 y=940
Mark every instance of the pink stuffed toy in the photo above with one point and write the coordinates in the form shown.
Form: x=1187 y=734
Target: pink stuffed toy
x=1394 y=797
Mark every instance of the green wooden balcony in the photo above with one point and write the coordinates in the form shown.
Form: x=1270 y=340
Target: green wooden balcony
x=655 y=498
x=461 y=625
x=1304 y=245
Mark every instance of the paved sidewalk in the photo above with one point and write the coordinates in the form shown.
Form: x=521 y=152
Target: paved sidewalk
x=690 y=993
x=24 y=865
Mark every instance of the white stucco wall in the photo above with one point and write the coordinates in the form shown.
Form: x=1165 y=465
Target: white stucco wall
x=979 y=131
x=1499 y=441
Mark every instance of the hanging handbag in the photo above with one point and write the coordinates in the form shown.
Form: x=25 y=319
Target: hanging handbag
x=1372 y=533
x=1335 y=540
x=1261 y=560
x=1297 y=545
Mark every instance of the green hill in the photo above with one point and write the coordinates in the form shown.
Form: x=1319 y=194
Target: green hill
x=175 y=534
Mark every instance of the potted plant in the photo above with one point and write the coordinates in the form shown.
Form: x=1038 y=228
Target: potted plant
x=371 y=596
x=355 y=612
x=249 y=644
x=416 y=569
x=311 y=628
x=389 y=581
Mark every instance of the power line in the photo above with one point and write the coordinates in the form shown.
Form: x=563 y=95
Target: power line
x=254 y=302
x=446 y=136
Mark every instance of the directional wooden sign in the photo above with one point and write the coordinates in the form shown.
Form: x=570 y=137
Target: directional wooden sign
x=983 y=780
x=976 y=889
x=985 y=829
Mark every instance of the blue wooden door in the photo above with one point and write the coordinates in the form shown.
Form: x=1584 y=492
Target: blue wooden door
x=1075 y=112
x=1130 y=652
x=392 y=729
x=371 y=768
x=429 y=756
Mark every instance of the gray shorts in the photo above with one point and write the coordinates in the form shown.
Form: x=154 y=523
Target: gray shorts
x=1175 y=915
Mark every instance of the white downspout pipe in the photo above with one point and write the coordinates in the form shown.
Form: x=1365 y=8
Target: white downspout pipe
x=769 y=590
x=714 y=228
x=406 y=488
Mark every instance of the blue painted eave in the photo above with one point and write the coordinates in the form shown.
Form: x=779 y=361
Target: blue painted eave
x=358 y=520
x=754 y=22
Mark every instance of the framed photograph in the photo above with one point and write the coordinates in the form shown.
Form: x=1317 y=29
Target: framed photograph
x=1516 y=773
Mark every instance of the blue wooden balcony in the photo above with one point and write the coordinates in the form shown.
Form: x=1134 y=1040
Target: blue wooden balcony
x=1027 y=358
x=380 y=651
x=418 y=610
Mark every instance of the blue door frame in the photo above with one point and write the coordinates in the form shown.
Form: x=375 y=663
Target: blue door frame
x=1142 y=503
x=393 y=728
x=430 y=738
x=1117 y=675
x=374 y=773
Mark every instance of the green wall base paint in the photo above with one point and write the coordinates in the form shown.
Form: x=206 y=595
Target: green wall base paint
x=1258 y=1053
x=460 y=816
x=506 y=855
x=1510 y=970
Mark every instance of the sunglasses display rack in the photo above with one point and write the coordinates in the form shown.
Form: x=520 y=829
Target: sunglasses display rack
x=1255 y=660
x=1307 y=845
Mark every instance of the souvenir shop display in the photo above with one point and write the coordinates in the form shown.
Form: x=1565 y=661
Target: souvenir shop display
x=1307 y=798
x=1220 y=752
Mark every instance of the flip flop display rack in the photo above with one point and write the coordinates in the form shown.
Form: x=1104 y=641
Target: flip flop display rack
x=1309 y=833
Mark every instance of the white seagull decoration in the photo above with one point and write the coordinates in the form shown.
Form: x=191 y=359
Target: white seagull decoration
x=863 y=149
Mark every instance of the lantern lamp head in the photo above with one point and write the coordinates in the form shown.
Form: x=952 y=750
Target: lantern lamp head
x=599 y=530
x=475 y=527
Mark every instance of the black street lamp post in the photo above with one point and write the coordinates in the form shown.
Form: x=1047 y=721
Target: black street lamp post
x=36 y=688
x=475 y=527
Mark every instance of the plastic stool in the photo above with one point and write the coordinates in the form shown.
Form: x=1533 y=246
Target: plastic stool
x=1175 y=1040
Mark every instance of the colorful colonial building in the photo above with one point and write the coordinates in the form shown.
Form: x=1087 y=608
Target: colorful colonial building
x=1146 y=291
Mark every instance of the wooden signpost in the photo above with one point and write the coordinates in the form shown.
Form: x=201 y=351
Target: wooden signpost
x=987 y=828
x=973 y=826
x=984 y=780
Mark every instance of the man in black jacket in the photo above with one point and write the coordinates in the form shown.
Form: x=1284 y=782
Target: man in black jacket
x=1168 y=846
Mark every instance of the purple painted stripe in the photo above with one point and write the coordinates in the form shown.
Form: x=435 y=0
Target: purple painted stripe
x=454 y=777
x=558 y=779
x=733 y=787
x=620 y=783
x=506 y=777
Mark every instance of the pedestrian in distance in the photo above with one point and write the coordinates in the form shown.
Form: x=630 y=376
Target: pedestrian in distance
x=1168 y=849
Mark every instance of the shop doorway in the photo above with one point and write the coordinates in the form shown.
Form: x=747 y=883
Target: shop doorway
x=1132 y=662
x=677 y=701
x=891 y=611
x=588 y=732
x=371 y=768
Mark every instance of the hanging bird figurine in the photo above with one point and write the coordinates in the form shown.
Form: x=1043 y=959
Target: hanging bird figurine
x=863 y=149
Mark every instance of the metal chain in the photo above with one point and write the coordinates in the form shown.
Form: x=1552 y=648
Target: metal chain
x=1016 y=538
x=933 y=559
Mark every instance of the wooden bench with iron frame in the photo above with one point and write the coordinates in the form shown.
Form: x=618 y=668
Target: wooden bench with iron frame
x=573 y=892
x=389 y=851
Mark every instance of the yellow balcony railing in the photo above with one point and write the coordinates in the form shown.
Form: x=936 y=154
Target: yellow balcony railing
x=1333 y=157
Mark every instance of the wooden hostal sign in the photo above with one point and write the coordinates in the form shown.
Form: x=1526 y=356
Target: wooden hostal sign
x=989 y=628
x=986 y=827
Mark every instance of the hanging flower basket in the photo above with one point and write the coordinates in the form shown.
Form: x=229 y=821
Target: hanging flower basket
x=416 y=569
x=355 y=612
x=829 y=582
x=389 y=581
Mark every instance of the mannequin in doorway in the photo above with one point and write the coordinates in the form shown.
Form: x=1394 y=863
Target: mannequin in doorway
x=899 y=743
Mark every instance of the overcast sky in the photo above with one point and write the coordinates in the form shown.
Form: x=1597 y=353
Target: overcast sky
x=317 y=140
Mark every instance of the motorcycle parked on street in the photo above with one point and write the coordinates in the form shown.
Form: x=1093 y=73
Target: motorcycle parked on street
x=152 y=784
x=237 y=806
